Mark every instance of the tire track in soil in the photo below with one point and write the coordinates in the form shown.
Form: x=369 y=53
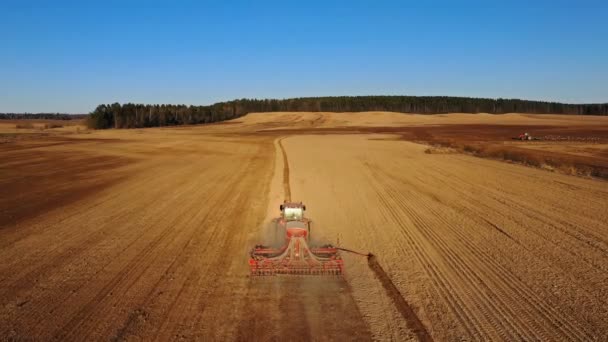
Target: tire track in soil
x=38 y=270
x=404 y=308
x=442 y=285
x=473 y=214
x=286 y=186
x=464 y=272
x=281 y=308
x=44 y=304
x=130 y=274
x=161 y=325
x=504 y=325
x=128 y=328
x=288 y=303
x=221 y=260
x=401 y=304
x=583 y=282
x=540 y=309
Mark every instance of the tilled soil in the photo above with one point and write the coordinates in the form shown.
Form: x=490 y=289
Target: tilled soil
x=145 y=234
x=482 y=249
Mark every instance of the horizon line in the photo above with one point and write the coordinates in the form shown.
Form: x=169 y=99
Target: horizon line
x=306 y=97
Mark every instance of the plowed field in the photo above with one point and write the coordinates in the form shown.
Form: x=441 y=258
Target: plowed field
x=144 y=234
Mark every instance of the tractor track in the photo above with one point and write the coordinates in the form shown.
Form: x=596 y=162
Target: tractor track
x=143 y=259
x=442 y=245
x=495 y=306
x=465 y=248
x=496 y=301
x=286 y=185
x=408 y=314
x=298 y=307
x=400 y=303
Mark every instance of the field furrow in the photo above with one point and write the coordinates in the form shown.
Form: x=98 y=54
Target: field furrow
x=145 y=234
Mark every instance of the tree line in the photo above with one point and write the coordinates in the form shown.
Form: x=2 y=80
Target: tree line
x=41 y=116
x=131 y=115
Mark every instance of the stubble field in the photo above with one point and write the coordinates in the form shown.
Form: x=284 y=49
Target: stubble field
x=145 y=234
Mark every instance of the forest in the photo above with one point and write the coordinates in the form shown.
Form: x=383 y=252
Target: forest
x=131 y=115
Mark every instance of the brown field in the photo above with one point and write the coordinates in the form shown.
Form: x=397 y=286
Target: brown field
x=11 y=130
x=144 y=234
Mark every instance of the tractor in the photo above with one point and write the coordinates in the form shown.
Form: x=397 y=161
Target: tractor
x=295 y=255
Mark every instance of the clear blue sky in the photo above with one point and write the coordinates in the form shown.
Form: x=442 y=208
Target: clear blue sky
x=70 y=56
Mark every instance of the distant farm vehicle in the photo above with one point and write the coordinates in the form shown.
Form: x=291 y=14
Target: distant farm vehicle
x=525 y=137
